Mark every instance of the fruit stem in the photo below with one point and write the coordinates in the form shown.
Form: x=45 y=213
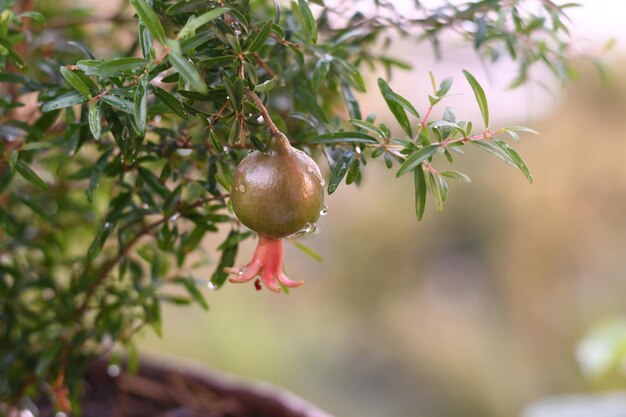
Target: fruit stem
x=264 y=112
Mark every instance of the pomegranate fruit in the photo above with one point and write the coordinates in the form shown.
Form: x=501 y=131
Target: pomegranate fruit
x=277 y=193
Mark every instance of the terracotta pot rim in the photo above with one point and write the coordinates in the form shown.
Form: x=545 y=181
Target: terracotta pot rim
x=268 y=398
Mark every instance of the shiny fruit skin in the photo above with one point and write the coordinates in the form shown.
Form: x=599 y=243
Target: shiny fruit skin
x=278 y=192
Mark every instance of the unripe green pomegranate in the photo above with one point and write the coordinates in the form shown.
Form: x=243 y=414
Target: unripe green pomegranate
x=277 y=193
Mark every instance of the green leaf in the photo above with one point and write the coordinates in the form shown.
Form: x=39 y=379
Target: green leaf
x=171 y=102
x=36 y=16
x=121 y=103
x=30 y=175
x=227 y=260
x=396 y=108
x=349 y=73
x=216 y=61
x=95 y=120
x=494 y=150
x=75 y=81
x=150 y=19
x=268 y=85
x=320 y=72
x=435 y=190
x=66 y=100
x=120 y=66
x=307 y=250
x=444 y=87
x=354 y=173
x=96 y=173
x=480 y=96
x=98 y=242
x=521 y=129
x=516 y=158
x=190 y=284
x=17 y=60
x=305 y=16
x=185 y=68
x=340 y=169
x=256 y=42
x=145 y=42
x=368 y=126
x=141 y=105
x=34 y=146
x=154 y=183
x=343 y=137
x=354 y=109
x=419 y=182
x=194 y=23
x=416 y=158
x=307 y=99
x=455 y=175
x=188 y=6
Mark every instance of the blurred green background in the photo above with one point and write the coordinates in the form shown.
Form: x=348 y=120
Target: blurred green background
x=473 y=312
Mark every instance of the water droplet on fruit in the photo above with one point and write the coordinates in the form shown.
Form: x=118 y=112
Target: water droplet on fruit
x=242 y=188
x=322 y=182
x=113 y=371
x=308 y=228
x=324 y=210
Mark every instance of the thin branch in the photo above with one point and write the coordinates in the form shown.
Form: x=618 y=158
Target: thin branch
x=123 y=251
x=263 y=65
x=67 y=22
x=274 y=130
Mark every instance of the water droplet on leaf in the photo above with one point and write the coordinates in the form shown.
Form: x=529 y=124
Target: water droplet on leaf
x=113 y=371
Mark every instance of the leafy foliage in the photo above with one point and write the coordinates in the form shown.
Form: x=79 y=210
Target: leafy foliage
x=108 y=188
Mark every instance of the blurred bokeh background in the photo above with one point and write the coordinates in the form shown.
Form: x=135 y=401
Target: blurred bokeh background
x=477 y=311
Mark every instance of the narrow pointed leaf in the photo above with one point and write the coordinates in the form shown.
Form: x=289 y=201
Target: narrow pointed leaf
x=194 y=23
x=150 y=19
x=416 y=159
x=481 y=99
x=66 y=100
x=31 y=176
x=95 y=120
x=517 y=159
x=120 y=66
x=343 y=137
x=185 y=68
x=259 y=39
x=455 y=175
x=340 y=169
x=396 y=109
x=419 y=182
x=124 y=105
x=172 y=102
x=141 y=105
x=75 y=81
